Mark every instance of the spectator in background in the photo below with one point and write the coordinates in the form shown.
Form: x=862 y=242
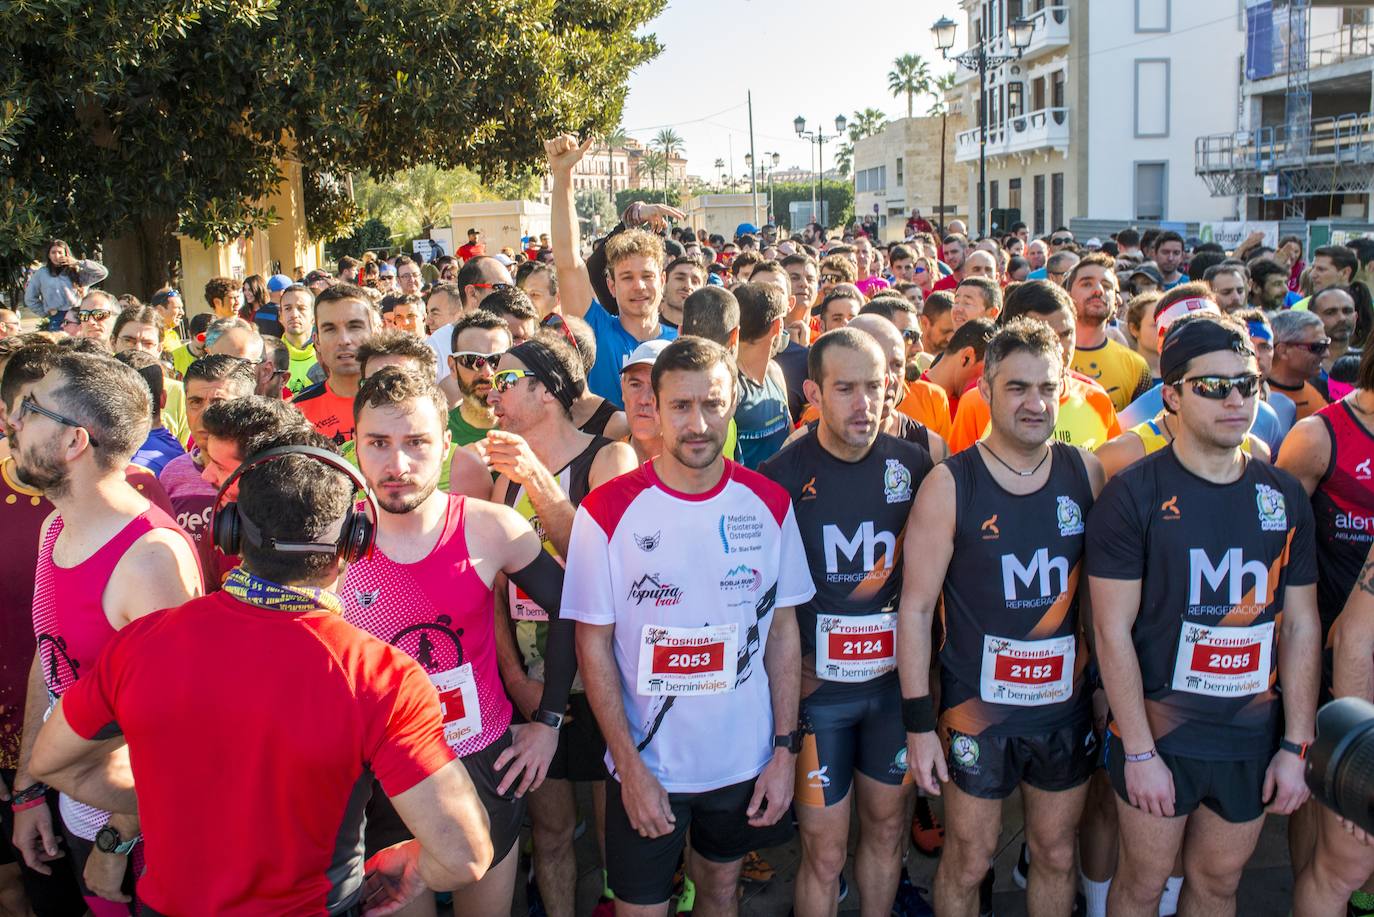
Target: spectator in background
x=1229 y=285
x=224 y=296
x=160 y=446
x=540 y=283
x=1268 y=286
x=61 y=283
x=1289 y=254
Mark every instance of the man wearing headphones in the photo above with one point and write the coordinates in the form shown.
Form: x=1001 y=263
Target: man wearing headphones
x=427 y=589
x=273 y=823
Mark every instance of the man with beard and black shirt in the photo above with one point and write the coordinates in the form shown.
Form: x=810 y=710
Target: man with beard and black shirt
x=1014 y=710
x=851 y=487
x=683 y=276
x=1202 y=568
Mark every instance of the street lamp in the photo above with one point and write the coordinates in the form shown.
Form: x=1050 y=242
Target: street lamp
x=819 y=138
x=977 y=58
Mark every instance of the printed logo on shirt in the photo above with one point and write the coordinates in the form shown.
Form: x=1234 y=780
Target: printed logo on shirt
x=1273 y=513
x=1038 y=571
x=647 y=543
x=1225 y=582
x=808 y=491
x=1069 y=517
x=742 y=579
x=366 y=598
x=1361 y=527
x=1170 y=508
x=866 y=539
x=648 y=588
x=990 y=529
x=1362 y=472
x=740 y=532
x=964 y=750
x=896 y=482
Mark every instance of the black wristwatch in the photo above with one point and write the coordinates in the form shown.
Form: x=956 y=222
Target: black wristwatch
x=548 y=718
x=108 y=840
x=790 y=741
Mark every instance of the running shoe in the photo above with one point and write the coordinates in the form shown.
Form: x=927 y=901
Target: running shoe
x=1022 y=870
x=909 y=901
x=927 y=834
x=756 y=869
x=844 y=889
x=686 y=897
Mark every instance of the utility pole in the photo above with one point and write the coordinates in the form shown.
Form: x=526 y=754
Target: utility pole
x=753 y=177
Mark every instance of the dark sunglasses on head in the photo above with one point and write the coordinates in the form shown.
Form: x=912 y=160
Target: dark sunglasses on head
x=555 y=321
x=912 y=334
x=1315 y=347
x=472 y=360
x=1218 y=388
x=1061 y=240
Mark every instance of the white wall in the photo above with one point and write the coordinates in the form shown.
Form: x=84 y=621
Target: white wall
x=1203 y=74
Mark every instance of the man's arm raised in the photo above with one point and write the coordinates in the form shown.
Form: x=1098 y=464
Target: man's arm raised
x=574 y=286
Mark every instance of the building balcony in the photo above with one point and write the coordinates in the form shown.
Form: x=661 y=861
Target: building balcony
x=1043 y=129
x=1051 y=32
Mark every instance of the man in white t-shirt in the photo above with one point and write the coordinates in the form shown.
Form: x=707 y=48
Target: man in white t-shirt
x=683 y=576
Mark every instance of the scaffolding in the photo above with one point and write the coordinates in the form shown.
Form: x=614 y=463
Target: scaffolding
x=1300 y=158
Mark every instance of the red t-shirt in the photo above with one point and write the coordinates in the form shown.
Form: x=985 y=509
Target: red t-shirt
x=329 y=413
x=951 y=282
x=470 y=250
x=253 y=735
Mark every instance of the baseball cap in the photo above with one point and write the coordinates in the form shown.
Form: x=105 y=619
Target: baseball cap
x=746 y=229
x=646 y=353
x=317 y=275
x=1149 y=270
x=1094 y=242
x=503 y=258
x=385 y=270
x=278 y=282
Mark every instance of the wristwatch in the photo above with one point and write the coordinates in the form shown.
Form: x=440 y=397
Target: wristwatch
x=108 y=840
x=791 y=741
x=548 y=718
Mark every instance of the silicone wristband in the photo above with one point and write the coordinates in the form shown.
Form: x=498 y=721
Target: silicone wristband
x=31 y=804
x=1143 y=756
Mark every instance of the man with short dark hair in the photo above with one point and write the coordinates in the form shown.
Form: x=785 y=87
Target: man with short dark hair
x=518 y=311
x=344 y=318
x=107 y=557
x=376 y=715
x=409 y=277
x=1332 y=265
x=160 y=446
x=296 y=311
x=478 y=278
x=1335 y=306
x=473 y=248
x=404 y=312
x=1168 y=256
x=224 y=296
x=478 y=340
x=976 y=297
x=761 y=414
x=679 y=647
x=683 y=276
x=952 y=254
x=426 y=588
x=1211 y=675
x=540 y=283
x=1121 y=371
x=275 y=368
x=1229 y=283
x=1268 y=285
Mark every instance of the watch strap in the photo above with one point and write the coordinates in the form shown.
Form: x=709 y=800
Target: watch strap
x=790 y=741
x=123 y=848
x=1299 y=749
x=548 y=718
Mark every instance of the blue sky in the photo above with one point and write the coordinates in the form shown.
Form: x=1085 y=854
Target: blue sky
x=817 y=59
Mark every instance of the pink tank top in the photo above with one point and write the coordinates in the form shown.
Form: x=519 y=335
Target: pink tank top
x=70 y=624
x=439 y=611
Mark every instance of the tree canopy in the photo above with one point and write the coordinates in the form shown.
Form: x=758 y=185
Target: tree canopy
x=118 y=112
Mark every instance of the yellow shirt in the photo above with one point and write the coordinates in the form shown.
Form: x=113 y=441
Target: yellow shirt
x=174 y=411
x=1086 y=417
x=182 y=358
x=1121 y=371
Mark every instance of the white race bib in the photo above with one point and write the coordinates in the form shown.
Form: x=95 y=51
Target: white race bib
x=1027 y=673
x=458 y=703
x=524 y=608
x=857 y=647
x=1223 y=661
x=688 y=660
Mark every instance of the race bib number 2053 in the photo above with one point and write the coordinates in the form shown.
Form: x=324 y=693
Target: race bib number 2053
x=687 y=660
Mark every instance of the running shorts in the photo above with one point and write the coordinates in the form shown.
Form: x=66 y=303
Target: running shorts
x=1232 y=789
x=860 y=731
x=990 y=767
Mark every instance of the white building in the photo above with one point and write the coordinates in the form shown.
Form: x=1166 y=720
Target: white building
x=1099 y=115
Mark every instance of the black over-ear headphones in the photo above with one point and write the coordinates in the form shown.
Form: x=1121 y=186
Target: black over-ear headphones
x=356 y=533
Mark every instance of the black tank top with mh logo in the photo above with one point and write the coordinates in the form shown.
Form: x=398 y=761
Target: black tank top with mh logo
x=1013 y=655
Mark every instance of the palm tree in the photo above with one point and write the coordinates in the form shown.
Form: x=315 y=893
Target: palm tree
x=938 y=89
x=909 y=76
x=866 y=123
x=720 y=171
x=613 y=141
x=651 y=162
x=669 y=143
x=844 y=158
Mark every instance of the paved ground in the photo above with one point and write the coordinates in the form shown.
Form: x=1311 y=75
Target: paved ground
x=1266 y=890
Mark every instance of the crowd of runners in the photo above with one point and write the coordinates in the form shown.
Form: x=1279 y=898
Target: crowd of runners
x=327 y=598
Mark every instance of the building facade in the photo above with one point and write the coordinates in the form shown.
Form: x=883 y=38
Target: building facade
x=898 y=169
x=1098 y=116
x=1302 y=146
x=613 y=169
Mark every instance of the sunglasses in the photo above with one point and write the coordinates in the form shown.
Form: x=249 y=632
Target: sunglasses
x=29 y=406
x=1061 y=240
x=831 y=278
x=1218 y=388
x=472 y=360
x=506 y=378
x=494 y=287
x=1315 y=347
x=920 y=270
x=555 y=321
x=92 y=315
x=912 y=335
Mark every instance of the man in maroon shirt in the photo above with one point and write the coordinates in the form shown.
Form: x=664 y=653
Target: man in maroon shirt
x=325 y=708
